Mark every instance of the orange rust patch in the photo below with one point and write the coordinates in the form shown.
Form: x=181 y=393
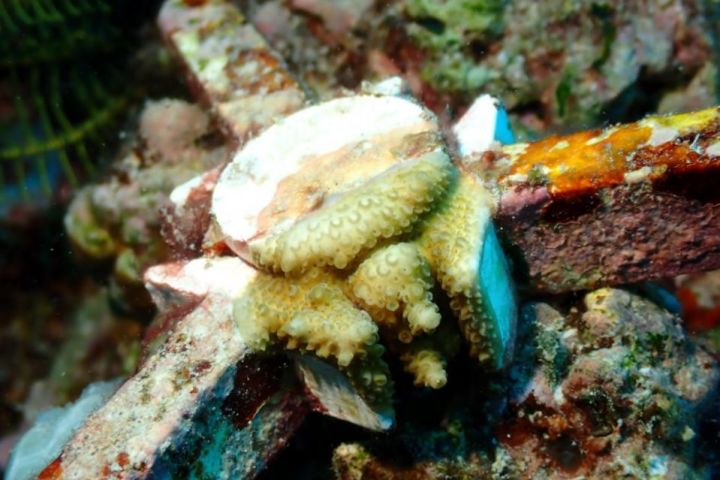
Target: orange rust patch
x=586 y=161
x=123 y=459
x=269 y=76
x=579 y=166
x=53 y=471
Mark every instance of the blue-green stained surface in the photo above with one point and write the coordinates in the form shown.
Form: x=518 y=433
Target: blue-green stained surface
x=496 y=281
x=497 y=289
x=503 y=130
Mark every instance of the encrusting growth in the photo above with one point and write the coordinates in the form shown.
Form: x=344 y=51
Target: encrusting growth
x=384 y=207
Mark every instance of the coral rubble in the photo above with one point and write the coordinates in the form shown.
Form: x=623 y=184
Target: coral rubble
x=197 y=360
x=699 y=295
x=558 y=65
x=573 y=58
x=45 y=440
x=616 y=391
x=231 y=65
x=119 y=219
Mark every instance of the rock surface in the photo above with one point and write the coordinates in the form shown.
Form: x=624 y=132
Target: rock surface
x=618 y=389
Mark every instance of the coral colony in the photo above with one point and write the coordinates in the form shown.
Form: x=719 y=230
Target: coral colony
x=348 y=234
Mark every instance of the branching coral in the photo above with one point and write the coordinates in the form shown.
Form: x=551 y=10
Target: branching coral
x=462 y=247
x=384 y=207
x=425 y=358
x=427 y=366
x=394 y=279
x=350 y=231
x=311 y=313
x=371 y=376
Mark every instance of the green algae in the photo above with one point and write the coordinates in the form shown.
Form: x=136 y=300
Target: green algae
x=453 y=33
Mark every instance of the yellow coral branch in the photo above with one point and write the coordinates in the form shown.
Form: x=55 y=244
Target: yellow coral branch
x=455 y=242
x=310 y=313
x=384 y=207
x=396 y=278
